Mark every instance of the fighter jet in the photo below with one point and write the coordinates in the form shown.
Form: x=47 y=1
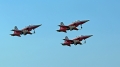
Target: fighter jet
x=73 y=26
x=24 y=31
x=76 y=40
x=68 y=42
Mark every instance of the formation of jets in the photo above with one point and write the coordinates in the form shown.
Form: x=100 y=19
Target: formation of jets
x=71 y=27
x=63 y=28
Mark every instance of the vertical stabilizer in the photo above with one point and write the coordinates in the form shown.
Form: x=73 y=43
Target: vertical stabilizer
x=15 y=28
x=66 y=38
x=61 y=24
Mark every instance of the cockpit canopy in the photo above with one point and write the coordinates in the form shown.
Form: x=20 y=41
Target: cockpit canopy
x=77 y=21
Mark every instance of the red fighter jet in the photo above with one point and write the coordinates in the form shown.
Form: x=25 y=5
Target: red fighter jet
x=68 y=42
x=24 y=31
x=75 y=41
x=73 y=26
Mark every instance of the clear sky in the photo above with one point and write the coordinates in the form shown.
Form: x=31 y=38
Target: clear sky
x=43 y=49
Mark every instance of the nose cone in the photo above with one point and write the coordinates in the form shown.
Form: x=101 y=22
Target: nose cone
x=38 y=25
x=89 y=35
x=86 y=20
x=83 y=21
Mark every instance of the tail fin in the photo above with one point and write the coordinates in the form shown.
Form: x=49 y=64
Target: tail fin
x=66 y=38
x=61 y=24
x=15 y=28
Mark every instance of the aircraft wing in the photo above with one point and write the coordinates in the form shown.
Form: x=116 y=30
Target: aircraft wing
x=65 y=26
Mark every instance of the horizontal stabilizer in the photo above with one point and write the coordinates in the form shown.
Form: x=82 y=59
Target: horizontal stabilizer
x=58 y=30
x=16 y=30
x=12 y=34
x=63 y=44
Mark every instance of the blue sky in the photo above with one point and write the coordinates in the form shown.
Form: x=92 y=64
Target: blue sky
x=43 y=49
